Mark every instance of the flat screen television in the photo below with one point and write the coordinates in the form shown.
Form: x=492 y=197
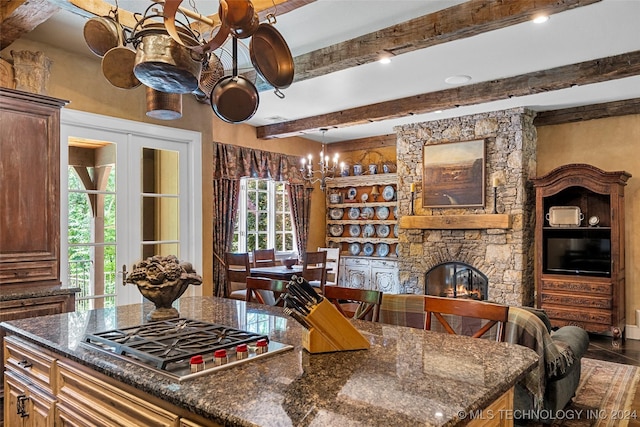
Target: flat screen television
x=584 y=256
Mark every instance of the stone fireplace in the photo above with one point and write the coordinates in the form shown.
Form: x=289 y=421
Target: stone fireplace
x=456 y=280
x=503 y=251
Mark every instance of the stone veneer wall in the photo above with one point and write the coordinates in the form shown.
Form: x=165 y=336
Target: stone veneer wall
x=505 y=256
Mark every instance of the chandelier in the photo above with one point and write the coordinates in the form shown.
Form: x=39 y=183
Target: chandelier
x=326 y=171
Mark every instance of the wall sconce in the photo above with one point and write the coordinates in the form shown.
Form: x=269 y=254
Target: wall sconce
x=497 y=179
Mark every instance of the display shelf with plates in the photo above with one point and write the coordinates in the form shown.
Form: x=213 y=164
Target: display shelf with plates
x=367 y=216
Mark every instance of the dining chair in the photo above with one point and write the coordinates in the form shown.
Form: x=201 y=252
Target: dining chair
x=314 y=269
x=265 y=291
x=355 y=303
x=238 y=269
x=476 y=318
x=333 y=265
x=264 y=257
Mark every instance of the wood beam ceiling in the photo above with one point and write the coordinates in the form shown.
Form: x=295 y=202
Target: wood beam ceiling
x=457 y=22
x=583 y=73
x=588 y=112
x=18 y=17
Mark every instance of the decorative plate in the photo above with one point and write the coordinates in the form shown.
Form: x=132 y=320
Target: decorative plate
x=382 y=230
x=351 y=193
x=336 y=230
x=388 y=193
x=336 y=213
x=395 y=230
x=367 y=213
x=364 y=197
x=395 y=212
x=354 y=248
x=354 y=230
x=382 y=249
x=397 y=250
x=369 y=231
x=382 y=212
x=368 y=249
x=354 y=213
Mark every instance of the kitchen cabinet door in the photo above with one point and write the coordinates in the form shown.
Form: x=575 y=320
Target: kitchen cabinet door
x=27 y=405
x=384 y=276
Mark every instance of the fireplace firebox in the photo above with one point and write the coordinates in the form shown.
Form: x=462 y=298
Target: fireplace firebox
x=456 y=280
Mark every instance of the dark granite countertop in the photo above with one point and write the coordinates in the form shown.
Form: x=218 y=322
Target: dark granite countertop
x=34 y=292
x=409 y=376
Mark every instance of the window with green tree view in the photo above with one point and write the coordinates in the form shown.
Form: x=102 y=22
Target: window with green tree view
x=264 y=217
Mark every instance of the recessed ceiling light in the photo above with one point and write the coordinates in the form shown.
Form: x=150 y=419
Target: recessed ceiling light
x=541 y=19
x=385 y=60
x=438 y=112
x=457 y=80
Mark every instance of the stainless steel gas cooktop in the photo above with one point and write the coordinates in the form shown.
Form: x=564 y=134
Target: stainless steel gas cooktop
x=183 y=348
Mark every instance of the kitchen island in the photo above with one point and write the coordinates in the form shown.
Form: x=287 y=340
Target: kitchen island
x=408 y=377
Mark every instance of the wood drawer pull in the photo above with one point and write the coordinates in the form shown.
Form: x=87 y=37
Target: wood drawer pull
x=20 y=406
x=25 y=363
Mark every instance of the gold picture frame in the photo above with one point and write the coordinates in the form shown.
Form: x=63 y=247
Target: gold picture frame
x=453 y=174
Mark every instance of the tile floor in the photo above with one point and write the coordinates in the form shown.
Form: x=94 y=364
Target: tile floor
x=602 y=347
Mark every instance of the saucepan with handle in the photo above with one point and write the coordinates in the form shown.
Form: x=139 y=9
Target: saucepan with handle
x=234 y=98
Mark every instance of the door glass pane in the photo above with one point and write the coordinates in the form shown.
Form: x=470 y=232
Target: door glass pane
x=160 y=202
x=92 y=222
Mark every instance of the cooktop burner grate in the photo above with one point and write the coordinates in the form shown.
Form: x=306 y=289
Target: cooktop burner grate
x=166 y=342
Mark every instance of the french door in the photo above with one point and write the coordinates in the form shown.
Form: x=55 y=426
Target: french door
x=130 y=190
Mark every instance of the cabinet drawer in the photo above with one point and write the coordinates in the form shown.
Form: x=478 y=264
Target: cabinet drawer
x=111 y=405
x=29 y=362
x=577 y=300
x=357 y=262
x=36 y=306
x=575 y=285
x=380 y=263
x=577 y=314
x=32 y=271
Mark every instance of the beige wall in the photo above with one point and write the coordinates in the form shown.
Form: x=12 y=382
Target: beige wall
x=79 y=79
x=610 y=144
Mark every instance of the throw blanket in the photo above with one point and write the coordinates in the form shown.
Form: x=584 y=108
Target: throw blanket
x=527 y=329
x=402 y=310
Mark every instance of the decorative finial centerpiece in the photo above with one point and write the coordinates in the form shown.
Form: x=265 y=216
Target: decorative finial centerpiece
x=162 y=280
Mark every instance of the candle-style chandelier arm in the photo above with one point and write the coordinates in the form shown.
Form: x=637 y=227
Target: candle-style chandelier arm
x=326 y=167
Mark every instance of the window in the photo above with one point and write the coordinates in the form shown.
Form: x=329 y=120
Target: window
x=264 y=217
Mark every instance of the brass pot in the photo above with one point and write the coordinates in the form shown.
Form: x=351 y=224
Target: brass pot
x=165 y=65
x=162 y=105
x=117 y=67
x=103 y=33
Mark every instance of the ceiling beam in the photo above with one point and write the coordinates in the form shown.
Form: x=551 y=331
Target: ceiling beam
x=583 y=73
x=588 y=112
x=18 y=17
x=366 y=144
x=457 y=22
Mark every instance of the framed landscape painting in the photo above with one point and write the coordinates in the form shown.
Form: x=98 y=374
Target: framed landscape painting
x=453 y=174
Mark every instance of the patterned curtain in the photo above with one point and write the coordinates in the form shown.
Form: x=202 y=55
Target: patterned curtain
x=230 y=163
x=300 y=202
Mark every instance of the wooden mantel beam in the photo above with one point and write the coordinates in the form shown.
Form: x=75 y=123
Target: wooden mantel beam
x=583 y=73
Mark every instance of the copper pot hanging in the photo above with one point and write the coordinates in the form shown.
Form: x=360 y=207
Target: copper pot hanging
x=117 y=67
x=165 y=65
x=240 y=16
x=271 y=57
x=163 y=105
x=102 y=33
x=234 y=98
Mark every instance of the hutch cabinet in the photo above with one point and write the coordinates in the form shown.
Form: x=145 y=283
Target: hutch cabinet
x=30 y=209
x=579 y=238
x=362 y=222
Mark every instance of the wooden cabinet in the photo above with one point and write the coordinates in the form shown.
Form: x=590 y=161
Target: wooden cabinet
x=364 y=226
x=580 y=251
x=29 y=189
x=44 y=390
x=377 y=274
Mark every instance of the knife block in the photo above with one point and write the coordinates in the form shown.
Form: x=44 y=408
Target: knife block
x=331 y=331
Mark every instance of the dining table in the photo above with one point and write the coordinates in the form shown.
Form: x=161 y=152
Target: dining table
x=278 y=272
